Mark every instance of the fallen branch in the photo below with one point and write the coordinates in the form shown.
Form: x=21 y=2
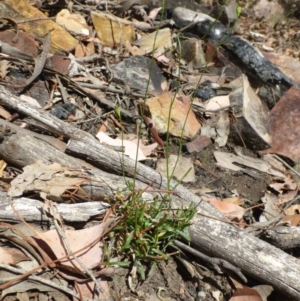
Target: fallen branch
x=210 y=232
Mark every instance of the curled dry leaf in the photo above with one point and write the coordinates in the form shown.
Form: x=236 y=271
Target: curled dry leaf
x=287 y=190
x=292 y=220
x=173 y=113
x=232 y=211
x=246 y=294
x=294 y=209
x=271 y=207
x=154 y=12
x=237 y=200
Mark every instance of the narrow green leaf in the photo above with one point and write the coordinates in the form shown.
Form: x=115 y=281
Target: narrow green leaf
x=128 y=241
x=118 y=112
x=238 y=11
x=141 y=270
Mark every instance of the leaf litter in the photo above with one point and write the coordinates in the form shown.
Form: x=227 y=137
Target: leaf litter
x=94 y=62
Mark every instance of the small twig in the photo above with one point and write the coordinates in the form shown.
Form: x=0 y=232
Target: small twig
x=109 y=89
x=215 y=263
x=63 y=91
x=157 y=25
x=287 y=165
x=273 y=221
x=35 y=19
x=190 y=25
x=199 y=255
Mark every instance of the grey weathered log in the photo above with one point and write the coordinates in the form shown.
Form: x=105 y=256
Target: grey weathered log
x=32 y=210
x=21 y=147
x=210 y=232
x=284 y=237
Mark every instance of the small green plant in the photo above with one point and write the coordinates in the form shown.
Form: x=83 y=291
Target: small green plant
x=146 y=230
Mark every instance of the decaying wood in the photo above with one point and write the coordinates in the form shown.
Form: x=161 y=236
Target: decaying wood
x=22 y=148
x=32 y=210
x=284 y=237
x=210 y=232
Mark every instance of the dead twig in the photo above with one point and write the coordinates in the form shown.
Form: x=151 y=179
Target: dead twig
x=215 y=263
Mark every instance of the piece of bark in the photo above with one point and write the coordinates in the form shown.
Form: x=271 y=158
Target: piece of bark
x=210 y=232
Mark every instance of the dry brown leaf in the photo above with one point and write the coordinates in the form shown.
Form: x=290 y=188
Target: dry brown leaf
x=173 y=113
x=91 y=256
x=294 y=209
x=246 y=294
x=134 y=50
x=132 y=150
x=52 y=179
x=153 y=13
x=158 y=39
x=230 y=161
x=79 y=51
x=161 y=58
x=287 y=189
x=72 y=22
x=232 y=211
x=3 y=164
x=103 y=126
x=111 y=30
x=87 y=289
x=22 y=10
x=12 y=256
x=146 y=149
x=25 y=43
x=235 y=200
x=272 y=209
x=198 y=144
x=292 y=220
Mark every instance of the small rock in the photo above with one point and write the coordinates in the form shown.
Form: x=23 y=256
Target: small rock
x=184 y=168
x=201 y=296
x=192 y=52
x=134 y=72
